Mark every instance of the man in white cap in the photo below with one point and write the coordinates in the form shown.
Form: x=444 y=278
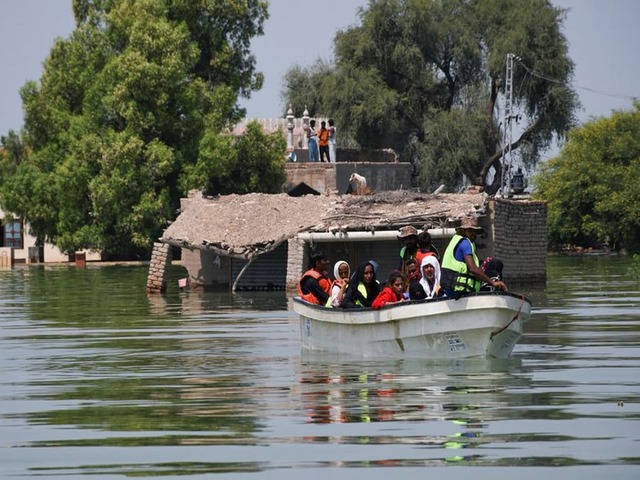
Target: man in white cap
x=461 y=272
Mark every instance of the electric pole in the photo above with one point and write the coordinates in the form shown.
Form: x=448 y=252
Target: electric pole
x=508 y=128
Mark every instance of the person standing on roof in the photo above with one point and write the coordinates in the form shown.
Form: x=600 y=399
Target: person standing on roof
x=333 y=142
x=323 y=142
x=312 y=141
x=461 y=272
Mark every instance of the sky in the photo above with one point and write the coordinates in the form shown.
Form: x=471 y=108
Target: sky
x=603 y=40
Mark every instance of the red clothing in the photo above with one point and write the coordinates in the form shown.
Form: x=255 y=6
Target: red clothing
x=420 y=256
x=385 y=296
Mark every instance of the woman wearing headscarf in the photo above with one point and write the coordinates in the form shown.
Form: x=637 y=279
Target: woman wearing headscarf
x=363 y=287
x=430 y=281
x=341 y=273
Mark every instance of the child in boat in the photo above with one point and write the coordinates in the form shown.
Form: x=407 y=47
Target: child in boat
x=392 y=293
x=413 y=273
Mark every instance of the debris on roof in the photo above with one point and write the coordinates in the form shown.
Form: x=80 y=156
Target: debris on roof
x=245 y=226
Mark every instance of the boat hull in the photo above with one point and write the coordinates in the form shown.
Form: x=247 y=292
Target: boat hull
x=483 y=324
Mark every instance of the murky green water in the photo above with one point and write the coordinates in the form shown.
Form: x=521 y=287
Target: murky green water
x=100 y=380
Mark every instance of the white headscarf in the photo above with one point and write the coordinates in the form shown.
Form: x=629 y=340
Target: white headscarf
x=430 y=260
x=335 y=290
x=336 y=269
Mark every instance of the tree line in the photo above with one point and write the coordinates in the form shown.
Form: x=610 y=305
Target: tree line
x=592 y=187
x=136 y=107
x=424 y=76
x=131 y=112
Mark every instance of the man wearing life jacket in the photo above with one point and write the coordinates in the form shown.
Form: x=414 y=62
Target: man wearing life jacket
x=314 y=286
x=409 y=237
x=461 y=272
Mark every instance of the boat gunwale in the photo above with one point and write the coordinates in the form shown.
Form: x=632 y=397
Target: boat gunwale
x=323 y=308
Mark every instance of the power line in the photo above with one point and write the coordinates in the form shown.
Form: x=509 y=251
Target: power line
x=561 y=82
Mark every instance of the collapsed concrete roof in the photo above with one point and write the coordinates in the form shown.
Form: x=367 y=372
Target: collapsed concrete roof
x=245 y=226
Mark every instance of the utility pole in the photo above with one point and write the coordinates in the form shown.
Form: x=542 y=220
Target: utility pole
x=507 y=138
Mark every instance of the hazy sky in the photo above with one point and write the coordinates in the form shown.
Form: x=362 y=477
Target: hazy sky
x=604 y=37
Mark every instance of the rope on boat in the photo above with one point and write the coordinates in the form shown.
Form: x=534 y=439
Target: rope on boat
x=515 y=317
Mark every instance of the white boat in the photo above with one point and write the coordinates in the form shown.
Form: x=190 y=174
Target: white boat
x=484 y=324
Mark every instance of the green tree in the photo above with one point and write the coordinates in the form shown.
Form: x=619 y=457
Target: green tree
x=140 y=94
x=252 y=162
x=423 y=77
x=592 y=187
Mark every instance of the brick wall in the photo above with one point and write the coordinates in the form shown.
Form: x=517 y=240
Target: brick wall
x=159 y=268
x=295 y=262
x=519 y=238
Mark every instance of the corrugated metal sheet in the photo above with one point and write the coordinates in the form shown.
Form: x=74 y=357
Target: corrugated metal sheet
x=268 y=272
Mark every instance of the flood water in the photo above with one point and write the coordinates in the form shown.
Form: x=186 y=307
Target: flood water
x=100 y=380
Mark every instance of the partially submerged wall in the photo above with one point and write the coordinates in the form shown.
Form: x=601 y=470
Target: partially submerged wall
x=159 y=268
x=516 y=233
x=207 y=270
x=519 y=237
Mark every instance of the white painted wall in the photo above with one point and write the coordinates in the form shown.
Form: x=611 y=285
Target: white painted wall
x=52 y=254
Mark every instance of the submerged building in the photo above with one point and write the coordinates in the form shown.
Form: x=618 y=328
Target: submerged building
x=263 y=242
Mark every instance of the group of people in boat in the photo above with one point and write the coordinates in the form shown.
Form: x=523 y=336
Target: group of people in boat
x=421 y=273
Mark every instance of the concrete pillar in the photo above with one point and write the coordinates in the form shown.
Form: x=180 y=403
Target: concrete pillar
x=295 y=262
x=159 y=268
x=305 y=127
x=290 y=125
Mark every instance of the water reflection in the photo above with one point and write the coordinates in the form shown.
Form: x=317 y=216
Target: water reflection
x=193 y=383
x=404 y=390
x=446 y=405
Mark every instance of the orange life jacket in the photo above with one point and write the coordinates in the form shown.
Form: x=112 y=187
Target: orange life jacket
x=324 y=283
x=419 y=256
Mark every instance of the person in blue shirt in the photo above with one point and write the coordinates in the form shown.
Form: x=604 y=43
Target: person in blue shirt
x=461 y=272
